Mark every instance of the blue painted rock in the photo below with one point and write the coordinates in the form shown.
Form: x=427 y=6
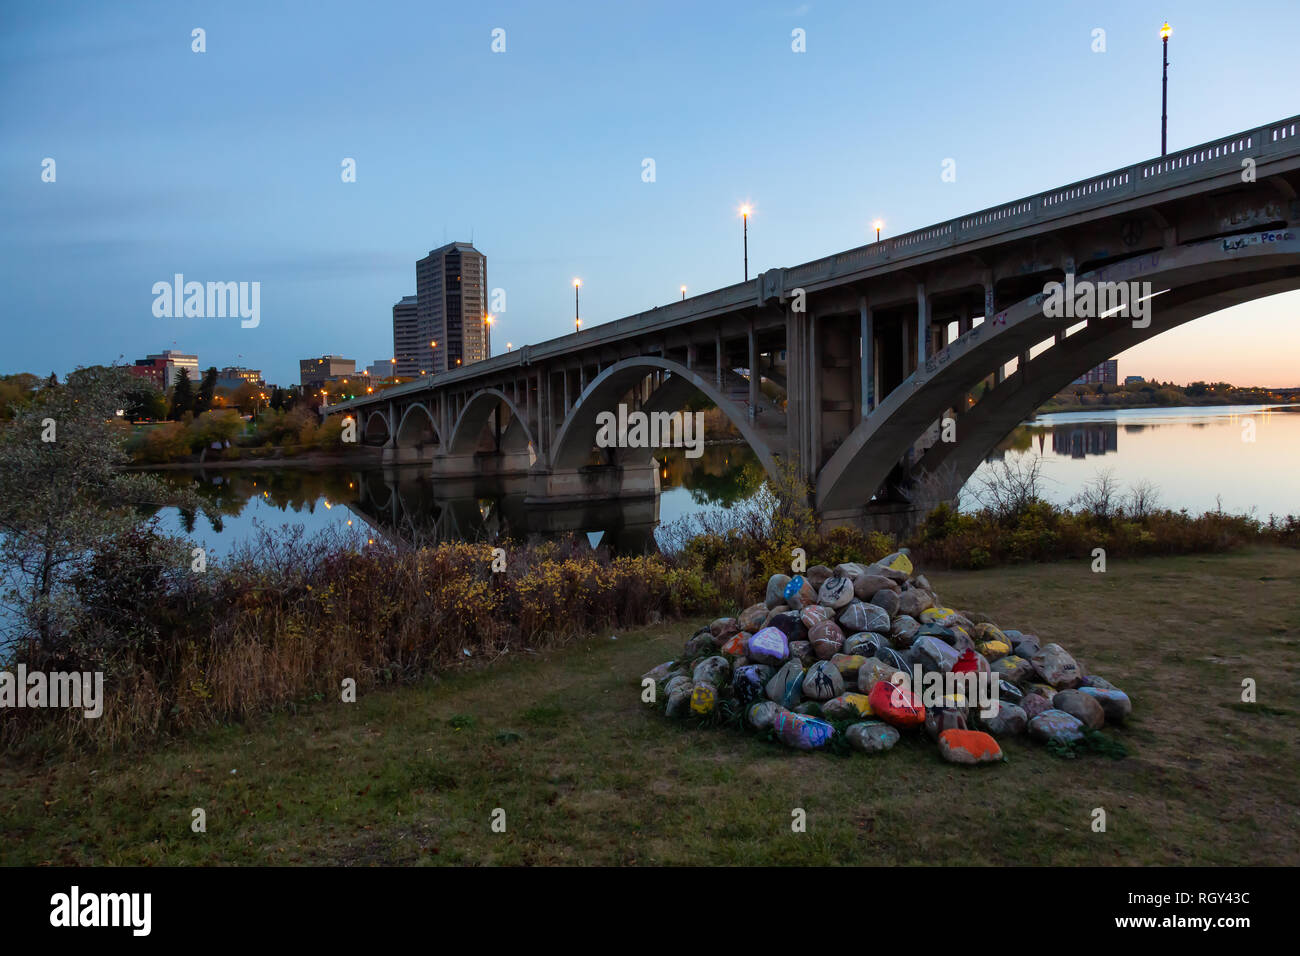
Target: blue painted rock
x=968 y=747
x=914 y=602
x=871 y=736
x=769 y=646
x=776 y=589
x=749 y=682
x=847 y=707
x=934 y=654
x=712 y=670
x=802 y=732
x=799 y=592
x=868 y=583
x=803 y=652
x=1080 y=705
x=1009 y=721
x=848 y=665
x=1015 y=669
x=704 y=698
x=822 y=682
x=1056 y=725
x=753 y=618
x=886 y=600
x=902 y=630
x=1114 y=702
x=896 y=706
x=786 y=686
x=827 y=640
x=815 y=614
x=835 y=593
x=1056 y=667
x=762 y=714
x=858 y=616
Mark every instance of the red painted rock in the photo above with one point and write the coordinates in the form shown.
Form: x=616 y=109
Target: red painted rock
x=969 y=747
x=827 y=639
x=896 y=706
x=735 y=645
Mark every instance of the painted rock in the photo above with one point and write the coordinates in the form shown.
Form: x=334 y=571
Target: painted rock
x=1042 y=690
x=1092 y=680
x=817 y=575
x=943 y=616
x=712 y=670
x=776 y=589
x=803 y=652
x=848 y=665
x=786 y=686
x=822 y=682
x=886 y=600
x=850 y=570
x=679 y=696
x=827 y=639
x=1080 y=705
x=868 y=583
x=761 y=715
x=859 y=616
x=992 y=650
x=1009 y=692
x=809 y=708
x=735 y=645
x=775 y=613
x=701 y=643
x=914 y=602
x=1055 y=725
x=769 y=646
x=799 y=592
x=815 y=614
x=704 y=698
x=1013 y=668
x=723 y=628
x=902 y=630
x=1027 y=646
x=753 y=618
x=802 y=732
x=1056 y=667
x=934 y=654
x=988 y=631
x=893 y=659
x=749 y=682
x=941 y=719
x=967 y=663
x=898 y=561
x=874 y=671
x=1114 y=702
x=789 y=625
x=871 y=736
x=896 y=706
x=1009 y=721
x=969 y=747
x=865 y=643
x=1034 y=704
x=847 y=707
x=659 y=673
x=835 y=593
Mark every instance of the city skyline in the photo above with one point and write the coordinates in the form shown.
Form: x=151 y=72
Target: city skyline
x=233 y=169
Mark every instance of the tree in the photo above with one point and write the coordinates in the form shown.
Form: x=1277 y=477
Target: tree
x=277 y=398
x=62 y=495
x=145 y=401
x=14 y=390
x=207 y=389
x=182 y=396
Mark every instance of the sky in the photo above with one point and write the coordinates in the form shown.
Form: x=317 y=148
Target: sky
x=226 y=165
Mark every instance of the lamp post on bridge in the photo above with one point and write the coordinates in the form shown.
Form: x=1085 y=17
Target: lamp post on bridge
x=744 y=215
x=577 y=322
x=879 y=225
x=1165 y=31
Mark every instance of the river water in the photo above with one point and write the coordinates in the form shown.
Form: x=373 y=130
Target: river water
x=1244 y=459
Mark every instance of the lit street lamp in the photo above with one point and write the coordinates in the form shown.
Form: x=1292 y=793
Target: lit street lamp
x=1165 y=31
x=683 y=293
x=577 y=322
x=744 y=215
x=878 y=224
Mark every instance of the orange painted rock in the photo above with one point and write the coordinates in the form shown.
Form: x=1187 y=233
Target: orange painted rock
x=735 y=645
x=969 y=747
x=896 y=706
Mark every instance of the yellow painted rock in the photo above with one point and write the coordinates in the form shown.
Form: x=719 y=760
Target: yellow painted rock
x=897 y=562
x=994 y=649
x=703 y=699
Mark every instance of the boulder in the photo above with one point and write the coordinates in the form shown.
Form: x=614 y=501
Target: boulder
x=858 y=616
x=704 y=698
x=769 y=646
x=1080 y=705
x=896 y=706
x=827 y=639
x=867 y=584
x=850 y=570
x=902 y=630
x=809 y=708
x=799 y=592
x=822 y=682
x=1114 y=703
x=847 y=707
x=748 y=683
x=817 y=574
x=939 y=719
x=699 y=644
x=659 y=673
x=802 y=651
x=871 y=736
x=893 y=659
x=1055 y=725
x=943 y=616
x=898 y=562
x=934 y=654
x=848 y=665
x=679 y=696
x=1034 y=704
x=774 y=613
x=875 y=670
x=835 y=593
x=865 y=643
x=914 y=602
x=761 y=715
x=753 y=618
x=723 y=628
x=712 y=670
x=815 y=614
x=790 y=625
x=969 y=747
x=735 y=645
x=886 y=600
x=776 y=589
x=993 y=650
x=1092 y=680
x=1009 y=721
x=802 y=732
x=1056 y=667
x=786 y=686
x=1010 y=692
x=1027 y=646
x=1015 y=669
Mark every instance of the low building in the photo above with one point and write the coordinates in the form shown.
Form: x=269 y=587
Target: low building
x=1107 y=373
x=152 y=370
x=173 y=362
x=328 y=368
x=1134 y=380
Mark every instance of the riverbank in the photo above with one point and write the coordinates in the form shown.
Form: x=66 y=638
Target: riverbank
x=588 y=774
x=364 y=456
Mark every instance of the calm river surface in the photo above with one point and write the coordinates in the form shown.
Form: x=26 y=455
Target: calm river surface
x=1199 y=458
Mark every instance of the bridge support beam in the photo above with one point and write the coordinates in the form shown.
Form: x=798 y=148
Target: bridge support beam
x=593 y=483
x=867 y=355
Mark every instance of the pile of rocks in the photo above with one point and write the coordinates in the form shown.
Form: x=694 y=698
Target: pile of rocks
x=838 y=650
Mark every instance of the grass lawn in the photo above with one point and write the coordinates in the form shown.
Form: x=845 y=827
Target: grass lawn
x=587 y=774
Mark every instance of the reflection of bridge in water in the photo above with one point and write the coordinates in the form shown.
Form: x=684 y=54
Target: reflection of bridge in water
x=403 y=505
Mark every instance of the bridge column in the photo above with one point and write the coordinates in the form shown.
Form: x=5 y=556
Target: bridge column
x=717 y=349
x=990 y=309
x=753 y=372
x=923 y=307
x=867 y=356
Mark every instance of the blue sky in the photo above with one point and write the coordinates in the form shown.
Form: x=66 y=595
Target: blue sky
x=225 y=165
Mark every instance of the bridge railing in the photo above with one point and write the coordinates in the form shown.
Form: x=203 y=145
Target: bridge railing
x=1189 y=165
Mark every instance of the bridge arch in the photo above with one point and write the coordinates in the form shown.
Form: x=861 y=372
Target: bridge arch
x=474 y=417
x=417 y=426
x=1191 y=281
x=375 y=429
x=577 y=436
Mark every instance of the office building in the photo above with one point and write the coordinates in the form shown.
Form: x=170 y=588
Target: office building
x=406 y=341
x=451 y=309
x=327 y=368
x=172 y=363
x=1107 y=373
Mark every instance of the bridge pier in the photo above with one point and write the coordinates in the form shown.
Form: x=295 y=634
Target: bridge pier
x=563 y=486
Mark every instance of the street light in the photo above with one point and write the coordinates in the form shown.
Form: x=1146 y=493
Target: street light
x=879 y=225
x=577 y=322
x=744 y=215
x=1165 y=31
x=683 y=293
x=487 y=341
